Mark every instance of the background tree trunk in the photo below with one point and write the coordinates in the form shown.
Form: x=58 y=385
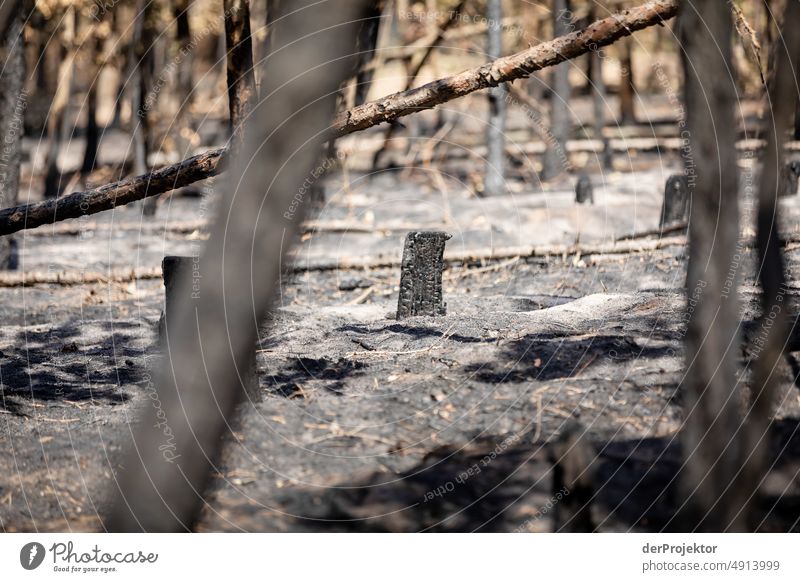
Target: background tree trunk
x=142 y=101
x=495 y=182
x=240 y=75
x=57 y=119
x=92 y=129
x=555 y=157
x=627 y=88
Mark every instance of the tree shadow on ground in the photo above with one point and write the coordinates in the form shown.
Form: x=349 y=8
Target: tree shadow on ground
x=55 y=365
x=541 y=357
x=289 y=380
x=495 y=484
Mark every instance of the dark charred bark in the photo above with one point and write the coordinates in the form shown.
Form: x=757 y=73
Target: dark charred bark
x=184 y=78
x=92 y=129
x=142 y=100
x=241 y=78
x=627 y=88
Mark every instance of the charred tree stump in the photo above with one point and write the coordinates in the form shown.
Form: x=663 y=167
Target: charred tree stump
x=175 y=269
x=421 y=275
x=675 y=208
x=584 y=192
x=572 y=457
x=789 y=178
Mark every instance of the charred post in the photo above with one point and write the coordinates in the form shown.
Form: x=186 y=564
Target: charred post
x=584 y=192
x=421 y=275
x=675 y=208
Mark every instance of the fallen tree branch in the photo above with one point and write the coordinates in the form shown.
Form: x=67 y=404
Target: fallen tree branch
x=112 y=195
x=520 y=65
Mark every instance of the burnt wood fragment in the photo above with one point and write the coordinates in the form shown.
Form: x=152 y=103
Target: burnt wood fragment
x=584 y=192
x=675 y=208
x=421 y=275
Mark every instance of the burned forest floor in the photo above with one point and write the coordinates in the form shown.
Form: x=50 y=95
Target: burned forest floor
x=366 y=423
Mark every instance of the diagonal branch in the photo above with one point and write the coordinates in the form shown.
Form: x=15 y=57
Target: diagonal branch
x=517 y=66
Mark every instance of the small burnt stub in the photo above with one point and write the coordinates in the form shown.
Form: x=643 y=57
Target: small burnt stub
x=421 y=275
x=584 y=191
x=675 y=208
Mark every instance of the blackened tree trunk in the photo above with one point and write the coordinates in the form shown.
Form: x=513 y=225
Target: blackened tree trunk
x=367 y=42
x=241 y=78
x=627 y=88
x=184 y=79
x=142 y=100
x=555 y=157
x=92 y=129
x=599 y=108
x=12 y=110
x=495 y=183
x=711 y=486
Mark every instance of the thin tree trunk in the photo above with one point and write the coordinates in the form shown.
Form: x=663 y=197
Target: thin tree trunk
x=12 y=110
x=367 y=43
x=495 y=181
x=627 y=88
x=142 y=101
x=710 y=478
x=555 y=158
x=774 y=303
x=599 y=96
x=57 y=119
x=184 y=78
x=162 y=479
x=92 y=128
x=241 y=78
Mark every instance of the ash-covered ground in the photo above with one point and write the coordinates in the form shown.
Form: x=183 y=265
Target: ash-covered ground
x=366 y=423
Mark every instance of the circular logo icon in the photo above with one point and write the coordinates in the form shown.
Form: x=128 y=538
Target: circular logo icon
x=31 y=555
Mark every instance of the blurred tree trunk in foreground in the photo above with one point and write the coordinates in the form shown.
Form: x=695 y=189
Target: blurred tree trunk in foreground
x=12 y=111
